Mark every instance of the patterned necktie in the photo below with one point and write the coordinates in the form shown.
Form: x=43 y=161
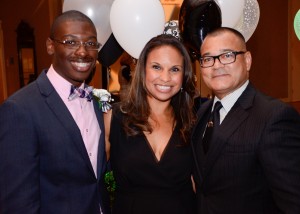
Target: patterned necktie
x=82 y=93
x=214 y=120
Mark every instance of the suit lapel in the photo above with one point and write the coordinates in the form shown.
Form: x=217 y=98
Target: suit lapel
x=62 y=113
x=231 y=123
x=101 y=159
x=202 y=117
x=221 y=135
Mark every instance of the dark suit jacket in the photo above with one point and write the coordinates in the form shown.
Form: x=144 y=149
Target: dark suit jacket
x=253 y=164
x=44 y=165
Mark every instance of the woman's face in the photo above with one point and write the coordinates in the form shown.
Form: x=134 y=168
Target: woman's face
x=164 y=73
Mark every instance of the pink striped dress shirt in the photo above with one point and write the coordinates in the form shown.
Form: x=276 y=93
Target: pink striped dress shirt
x=82 y=112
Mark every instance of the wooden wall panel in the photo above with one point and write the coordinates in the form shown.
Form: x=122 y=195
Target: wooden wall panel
x=269 y=48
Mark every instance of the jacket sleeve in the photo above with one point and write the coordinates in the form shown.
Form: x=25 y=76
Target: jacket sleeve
x=19 y=161
x=280 y=157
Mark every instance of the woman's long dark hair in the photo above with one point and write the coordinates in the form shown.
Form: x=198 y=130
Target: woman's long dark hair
x=135 y=105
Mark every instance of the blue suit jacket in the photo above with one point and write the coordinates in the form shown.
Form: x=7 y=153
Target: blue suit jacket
x=44 y=165
x=253 y=164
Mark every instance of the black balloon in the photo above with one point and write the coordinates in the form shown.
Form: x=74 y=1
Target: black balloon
x=196 y=19
x=110 y=52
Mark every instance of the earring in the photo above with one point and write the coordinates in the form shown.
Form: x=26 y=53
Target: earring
x=181 y=89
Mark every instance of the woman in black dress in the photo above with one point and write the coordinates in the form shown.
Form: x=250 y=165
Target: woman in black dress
x=148 y=133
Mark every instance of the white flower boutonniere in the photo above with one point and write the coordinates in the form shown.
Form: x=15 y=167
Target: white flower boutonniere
x=103 y=97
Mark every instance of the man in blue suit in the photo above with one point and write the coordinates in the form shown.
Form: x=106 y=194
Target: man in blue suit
x=52 y=154
x=247 y=158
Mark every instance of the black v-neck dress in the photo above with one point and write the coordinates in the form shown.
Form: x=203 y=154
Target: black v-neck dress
x=144 y=184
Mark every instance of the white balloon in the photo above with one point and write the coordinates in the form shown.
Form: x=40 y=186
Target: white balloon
x=98 y=11
x=249 y=19
x=297 y=24
x=135 y=22
x=231 y=11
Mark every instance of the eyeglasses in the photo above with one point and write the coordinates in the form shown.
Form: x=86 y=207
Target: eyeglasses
x=224 y=58
x=72 y=44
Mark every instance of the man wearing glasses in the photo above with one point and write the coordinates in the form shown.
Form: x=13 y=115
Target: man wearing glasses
x=52 y=155
x=246 y=145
